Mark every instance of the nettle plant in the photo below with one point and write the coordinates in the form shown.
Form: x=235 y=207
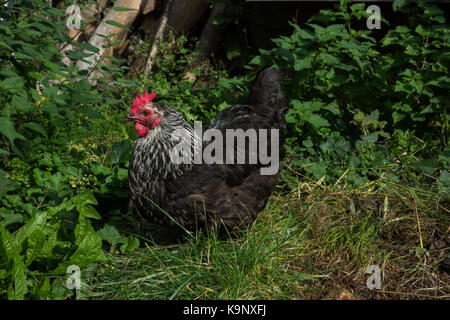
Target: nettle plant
x=46 y=176
x=349 y=91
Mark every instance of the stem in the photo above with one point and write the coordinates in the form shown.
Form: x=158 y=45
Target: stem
x=158 y=36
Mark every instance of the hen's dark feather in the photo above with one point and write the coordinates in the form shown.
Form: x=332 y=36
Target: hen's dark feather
x=230 y=193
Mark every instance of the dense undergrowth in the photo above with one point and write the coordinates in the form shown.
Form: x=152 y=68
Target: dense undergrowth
x=365 y=182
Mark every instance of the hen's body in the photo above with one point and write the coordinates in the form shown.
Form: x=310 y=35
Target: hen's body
x=228 y=193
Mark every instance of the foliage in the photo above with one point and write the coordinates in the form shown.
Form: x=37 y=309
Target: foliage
x=359 y=106
x=50 y=166
x=63 y=173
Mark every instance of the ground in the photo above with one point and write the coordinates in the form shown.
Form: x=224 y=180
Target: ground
x=314 y=242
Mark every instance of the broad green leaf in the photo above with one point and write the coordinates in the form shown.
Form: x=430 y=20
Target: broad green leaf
x=36 y=222
x=35 y=243
x=7 y=245
x=10 y=218
x=57 y=182
x=5 y=184
x=11 y=83
x=3 y=44
x=110 y=234
x=88 y=251
x=84 y=199
x=317 y=121
x=8 y=130
x=36 y=127
x=20 y=280
x=301 y=64
x=329 y=58
x=88 y=212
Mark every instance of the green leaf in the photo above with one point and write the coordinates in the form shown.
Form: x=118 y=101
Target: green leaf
x=8 y=130
x=84 y=199
x=88 y=251
x=83 y=228
x=36 y=222
x=4 y=26
x=318 y=170
x=426 y=166
x=88 y=47
x=21 y=103
x=354 y=162
x=120 y=149
x=317 y=121
x=301 y=64
x=88 y=212
x=396 y=116
x=10 y=248
x=116 y=8
x=7 y=245
x=117 y=24
x=35 y=243
x=11 y=83
x=110 y=234
x=304 y=34
x=444 y=182
x=3 y=44
x=57 y=182
x=91 y=113
x=130 y=244
x=399 y=4
x=333 y=108
x=5 y=184
x=329 y=58
x=20 y=280
x=256 y=60
x=10 y=218
x=14 y=200
x=36 y=127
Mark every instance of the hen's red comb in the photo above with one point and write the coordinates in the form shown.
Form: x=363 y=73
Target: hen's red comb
x=142 y=100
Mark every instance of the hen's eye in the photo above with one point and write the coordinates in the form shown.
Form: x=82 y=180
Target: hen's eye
x=145 y=113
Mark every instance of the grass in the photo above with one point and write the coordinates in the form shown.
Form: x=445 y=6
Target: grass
x=313 y=243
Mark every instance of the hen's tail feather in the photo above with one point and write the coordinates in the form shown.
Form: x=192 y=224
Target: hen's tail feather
x=268 y=98
x=266 y=88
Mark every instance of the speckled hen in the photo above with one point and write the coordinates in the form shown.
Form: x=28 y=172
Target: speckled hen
x=168 y=192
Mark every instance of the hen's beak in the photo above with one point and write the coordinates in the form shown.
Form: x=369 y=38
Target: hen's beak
x=129 y=118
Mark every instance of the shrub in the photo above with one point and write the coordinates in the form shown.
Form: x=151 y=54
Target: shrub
x=366 y=105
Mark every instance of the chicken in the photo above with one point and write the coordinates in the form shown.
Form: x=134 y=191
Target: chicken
x=169 y=185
